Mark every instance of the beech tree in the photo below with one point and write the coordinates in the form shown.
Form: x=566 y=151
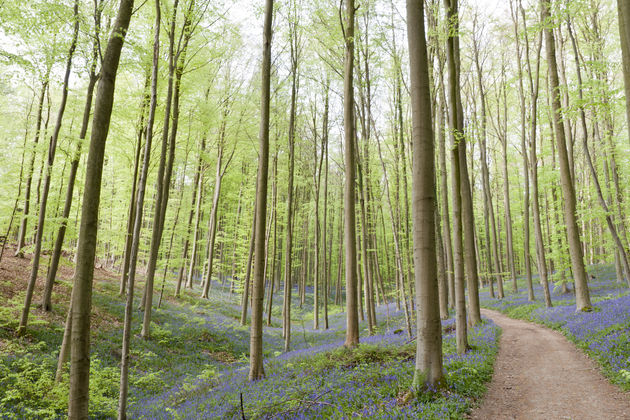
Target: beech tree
x=428 y=371
x=82 y=293
x=256 y=370
x=52 y=149
x=582 y=297
x=352 y=315
x=457 y=137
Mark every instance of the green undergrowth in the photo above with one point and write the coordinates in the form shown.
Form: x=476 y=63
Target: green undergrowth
x=197 y=344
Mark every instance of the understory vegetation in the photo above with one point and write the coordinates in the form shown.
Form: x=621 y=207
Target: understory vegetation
x=195 y=365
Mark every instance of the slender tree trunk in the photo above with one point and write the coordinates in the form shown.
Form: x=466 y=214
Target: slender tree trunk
x=274 y=217
x=506 y=191
x=256 y=370
x=589 y=160
x=400 y=272
x=245 y=300
x=488 y=209
x=195 y=241
x=452 y=55
x=527 y=168
x=163 y=181
x=623 y=13
x=29 y=173
x=327 y=261
x=212 y=222
x=288 y=263
x=82 y=292
x=134 y=188
x=20 y=176
x=52 y=148
x=446 y=223
x=133 y=257
x=533 y=168
x=317 y=177
x=514 y=11
x=583 y=301
x=352 y=314
x=196 y=188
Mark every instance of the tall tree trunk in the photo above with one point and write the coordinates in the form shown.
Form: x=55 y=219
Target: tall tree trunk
x=137 y=226
x=327 y=260
x=488 y=209
x=533 y=169
x=212 y=222
x=20 y=176
x=457 y=137
x=29 y=173
x=52 y=148
x=589 y=160
x=274 y=218
x=131 y=214
x=196 y=189
x=428 y=368
x=506 y=184
x=352 y=314
x=514 y=11
x=288 y=258
x=623 y=13
x=82 y=293
x=317 y=177
x=446 y=223
x=583 y=301
x=74 y=165
x=163 y=182
x=246 y=300
x=256 y=370
x=528 y=165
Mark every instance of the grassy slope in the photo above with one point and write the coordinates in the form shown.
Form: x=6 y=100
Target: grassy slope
x=195 y=365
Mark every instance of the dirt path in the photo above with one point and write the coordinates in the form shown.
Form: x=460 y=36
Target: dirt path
x=540 y=375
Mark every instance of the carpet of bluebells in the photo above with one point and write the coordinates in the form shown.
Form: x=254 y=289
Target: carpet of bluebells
x=195 y=365
x=307 y=383
x=604 y=332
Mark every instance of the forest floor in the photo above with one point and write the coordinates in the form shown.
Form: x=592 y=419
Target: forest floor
x=540 y=375
x=195 y=365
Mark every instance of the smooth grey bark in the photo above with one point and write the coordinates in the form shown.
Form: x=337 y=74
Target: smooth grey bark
x=461 y=328
x=191 y=215
x=514 y=11
x=589 y=160
x=137 y=226
x=256 y=370
x=428 y=367
x=623 y=14
x=488 y=209
x=288 y=258
x=163 y=182
x=131 y=212
x=212 y=222
x=582 y=297
x=352 y=314
x=82 y=292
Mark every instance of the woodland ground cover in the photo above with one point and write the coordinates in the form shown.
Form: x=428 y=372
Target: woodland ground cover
x=603 y=333
x=327 y=381
x=196 y=362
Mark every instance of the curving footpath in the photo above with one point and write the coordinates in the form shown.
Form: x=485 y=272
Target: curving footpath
x=539 y=374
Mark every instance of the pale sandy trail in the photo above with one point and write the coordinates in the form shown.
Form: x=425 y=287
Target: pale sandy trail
x=540 y=375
